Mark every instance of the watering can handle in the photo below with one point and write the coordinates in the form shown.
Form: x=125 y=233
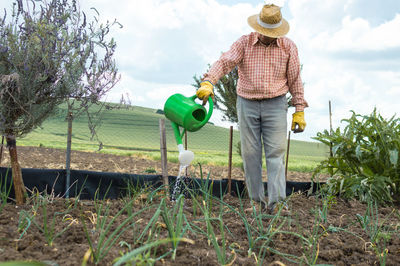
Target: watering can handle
x=210 y=110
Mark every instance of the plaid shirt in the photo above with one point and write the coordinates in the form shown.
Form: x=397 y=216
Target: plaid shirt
x=264 y=71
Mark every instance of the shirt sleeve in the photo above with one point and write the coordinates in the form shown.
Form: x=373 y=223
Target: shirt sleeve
x=295 y=83
x=226 y=62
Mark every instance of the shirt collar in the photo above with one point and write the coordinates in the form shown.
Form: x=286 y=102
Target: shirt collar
x=256 y=40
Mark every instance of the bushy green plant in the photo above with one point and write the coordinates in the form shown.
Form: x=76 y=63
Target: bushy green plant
x=365 y=162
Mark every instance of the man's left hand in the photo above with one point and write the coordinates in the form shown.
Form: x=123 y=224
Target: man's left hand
x=298 y=122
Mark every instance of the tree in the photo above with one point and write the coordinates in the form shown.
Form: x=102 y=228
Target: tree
x=47 y=56
x=225 y=95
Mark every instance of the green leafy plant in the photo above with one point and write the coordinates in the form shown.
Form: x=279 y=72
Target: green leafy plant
x=365 y=162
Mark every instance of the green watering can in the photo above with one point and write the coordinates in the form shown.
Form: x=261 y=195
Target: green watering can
x=186 y=113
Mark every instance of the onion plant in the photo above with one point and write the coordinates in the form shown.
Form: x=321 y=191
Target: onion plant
x=220 y=249
x=152 y=231
x=24 y=222
x=40 y=201
x=48 y=226
x=133 y=256
x=378 y=234
x=4 y=191
x=148 y=230
x=107 y=235
x=174 y=220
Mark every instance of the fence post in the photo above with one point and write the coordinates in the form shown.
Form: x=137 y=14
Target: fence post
x=230 y=160
x=68 y=156
x=163 y=149
x=330 y=128
x=186 y=147
x=287 y=155
x=1 y=151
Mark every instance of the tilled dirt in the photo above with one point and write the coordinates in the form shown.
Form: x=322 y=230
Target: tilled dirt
x=301 y=237
x=45 y=158
x=307 y=235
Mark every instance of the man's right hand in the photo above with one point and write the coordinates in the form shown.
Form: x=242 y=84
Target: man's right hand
x=205 y=91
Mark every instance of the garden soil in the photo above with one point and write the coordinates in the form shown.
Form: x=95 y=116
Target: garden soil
x=303 y=237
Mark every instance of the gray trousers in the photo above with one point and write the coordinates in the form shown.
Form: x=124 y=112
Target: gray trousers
x=263 y=122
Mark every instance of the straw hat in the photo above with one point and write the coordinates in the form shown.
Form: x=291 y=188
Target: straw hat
x=269 y=22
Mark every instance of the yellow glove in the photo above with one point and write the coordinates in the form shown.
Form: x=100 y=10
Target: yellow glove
x=298 y=122
x=205 y=91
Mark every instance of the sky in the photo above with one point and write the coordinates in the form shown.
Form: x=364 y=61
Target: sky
x=349 y=49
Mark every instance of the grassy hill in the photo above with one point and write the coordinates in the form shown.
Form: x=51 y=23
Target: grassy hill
x=135 y=130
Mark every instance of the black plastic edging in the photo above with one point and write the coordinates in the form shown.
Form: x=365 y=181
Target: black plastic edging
x=114 y=185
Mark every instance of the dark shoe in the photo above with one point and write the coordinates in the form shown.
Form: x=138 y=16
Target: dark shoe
x=259 y=206
x=278 y=208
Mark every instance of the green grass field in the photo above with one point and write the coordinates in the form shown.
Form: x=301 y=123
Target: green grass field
x=135 y=131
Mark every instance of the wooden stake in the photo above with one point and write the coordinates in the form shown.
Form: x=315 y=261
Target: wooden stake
x=287 y=155
x=186 y=140
x=68 y=155
x=330 y=124
x=230 y=160
x=1 y=151
x=186 y=145
x=163 y=149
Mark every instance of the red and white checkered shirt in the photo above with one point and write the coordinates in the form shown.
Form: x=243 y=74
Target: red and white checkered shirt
x=264 y=71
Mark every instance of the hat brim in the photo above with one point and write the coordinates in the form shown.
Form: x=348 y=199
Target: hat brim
x=280 y=31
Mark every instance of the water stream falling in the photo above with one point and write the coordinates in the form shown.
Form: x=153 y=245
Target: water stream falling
x=180 y=182
x=185 y=158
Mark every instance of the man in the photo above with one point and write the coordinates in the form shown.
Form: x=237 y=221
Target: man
x=268 y=67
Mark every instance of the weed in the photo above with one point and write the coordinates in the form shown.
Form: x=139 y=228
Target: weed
x=150 y=170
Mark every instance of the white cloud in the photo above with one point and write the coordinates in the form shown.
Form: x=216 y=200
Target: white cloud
x=155 y=29
x=146 y=93
x=357 y=35
x=346 y=59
